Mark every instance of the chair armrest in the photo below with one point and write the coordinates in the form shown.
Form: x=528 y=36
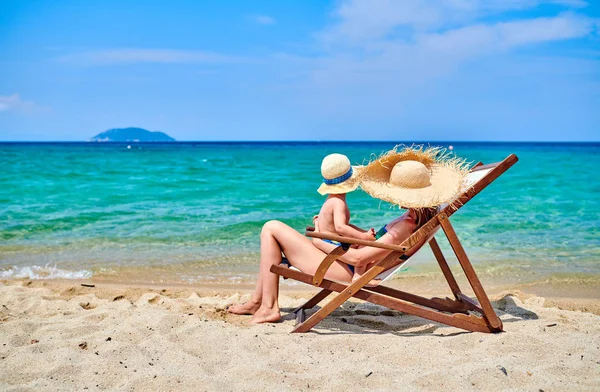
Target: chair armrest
x=356 y=241
x=326 y=263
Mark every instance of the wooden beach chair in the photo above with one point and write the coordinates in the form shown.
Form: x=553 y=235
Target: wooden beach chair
x=461 y=312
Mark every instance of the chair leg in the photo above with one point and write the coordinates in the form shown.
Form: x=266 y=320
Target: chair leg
x=311 y=303
x=343 y=296
x=300 y=316
x=439 y=256
x=299 y=311
x=484 y=301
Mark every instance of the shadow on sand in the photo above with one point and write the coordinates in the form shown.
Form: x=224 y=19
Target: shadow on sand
x=367 y=318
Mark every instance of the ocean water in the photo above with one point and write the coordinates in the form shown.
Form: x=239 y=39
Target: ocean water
x=192 y=212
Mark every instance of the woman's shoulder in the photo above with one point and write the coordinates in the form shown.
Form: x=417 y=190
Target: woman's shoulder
x=406 y=221
x=403 y=219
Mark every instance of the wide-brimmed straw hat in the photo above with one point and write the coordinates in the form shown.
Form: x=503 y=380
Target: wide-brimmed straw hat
x=415 y=177
x=339 y=176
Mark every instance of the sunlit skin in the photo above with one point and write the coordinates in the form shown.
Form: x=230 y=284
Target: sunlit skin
x=277 y=238
x=334 y=217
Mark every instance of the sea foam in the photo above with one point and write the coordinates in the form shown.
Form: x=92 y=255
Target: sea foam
x=44 y=272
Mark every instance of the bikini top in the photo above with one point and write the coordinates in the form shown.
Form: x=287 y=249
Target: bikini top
x=381 y=232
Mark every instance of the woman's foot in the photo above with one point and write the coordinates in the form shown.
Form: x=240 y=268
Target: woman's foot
x=249 y=307
x=266 y=315
x=372 y=283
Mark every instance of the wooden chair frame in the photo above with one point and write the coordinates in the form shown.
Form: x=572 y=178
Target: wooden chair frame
x=463 y=312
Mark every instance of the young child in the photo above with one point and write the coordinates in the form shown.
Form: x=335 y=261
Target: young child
x=339 y=178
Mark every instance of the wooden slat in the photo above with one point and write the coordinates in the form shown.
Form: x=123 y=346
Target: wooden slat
x=326 y=263
x=347 y=240
x=472 y=304
x=439 y=304
x=442 y=305
x=472 y=191
x=439 y=256
x=421 y=233
x=468 y=322
x=347 y=293
x=481 y=166
x=320 y=296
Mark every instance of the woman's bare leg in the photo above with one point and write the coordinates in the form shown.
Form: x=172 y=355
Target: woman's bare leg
x=270 y=253
x=301 y=253
x=251 y=306
x=276 y=237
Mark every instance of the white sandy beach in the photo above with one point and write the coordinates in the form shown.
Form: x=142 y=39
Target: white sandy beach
x=60 y=335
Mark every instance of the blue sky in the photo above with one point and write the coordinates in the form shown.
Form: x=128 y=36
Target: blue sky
x=304 y=70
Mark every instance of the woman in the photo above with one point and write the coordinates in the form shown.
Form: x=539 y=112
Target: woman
x=416 y=178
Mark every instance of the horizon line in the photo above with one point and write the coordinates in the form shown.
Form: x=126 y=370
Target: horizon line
x=301 y=141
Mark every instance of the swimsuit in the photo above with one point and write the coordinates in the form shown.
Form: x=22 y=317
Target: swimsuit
x=381 y=232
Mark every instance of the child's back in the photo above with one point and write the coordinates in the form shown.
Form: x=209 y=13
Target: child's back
x=339 y=178
x=334 y=209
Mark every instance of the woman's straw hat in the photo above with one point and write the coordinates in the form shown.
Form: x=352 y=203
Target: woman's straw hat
x=338 y=175
x=415 y=177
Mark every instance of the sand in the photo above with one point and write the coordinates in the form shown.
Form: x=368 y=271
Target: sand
x=63 y=336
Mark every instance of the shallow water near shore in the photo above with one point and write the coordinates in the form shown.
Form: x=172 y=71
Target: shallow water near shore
x=192 y=212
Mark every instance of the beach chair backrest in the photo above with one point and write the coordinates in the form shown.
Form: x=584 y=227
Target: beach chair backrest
x=413 y=251
x=473 y=184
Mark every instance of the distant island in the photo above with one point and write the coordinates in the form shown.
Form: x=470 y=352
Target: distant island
x=131 y=135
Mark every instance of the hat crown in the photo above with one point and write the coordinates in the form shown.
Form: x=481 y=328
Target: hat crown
x=410 y=174
x=334 y=166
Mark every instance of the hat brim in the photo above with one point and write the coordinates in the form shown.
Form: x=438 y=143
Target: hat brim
x=446 y=185
x=347 y=186
x=447 y=178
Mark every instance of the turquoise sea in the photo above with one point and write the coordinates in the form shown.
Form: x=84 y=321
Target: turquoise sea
x=192 y=212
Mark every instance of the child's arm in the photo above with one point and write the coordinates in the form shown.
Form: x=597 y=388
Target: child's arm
x=347 y=230
x=316 y=225
x=371 y=232
x=358 y=228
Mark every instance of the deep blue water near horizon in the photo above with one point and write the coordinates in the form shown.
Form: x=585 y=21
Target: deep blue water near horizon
x=192 y=211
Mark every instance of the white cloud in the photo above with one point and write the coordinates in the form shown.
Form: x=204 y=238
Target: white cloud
x=15 y=103
x=485 y=38
x=379 y=57
x=360 y=21
x=136 y=55
x=421 y=54
x=262 y=19
x=367 y=28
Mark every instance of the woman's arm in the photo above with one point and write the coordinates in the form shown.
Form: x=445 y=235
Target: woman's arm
x=397 y=233
x=356 y=257
x=344 y=228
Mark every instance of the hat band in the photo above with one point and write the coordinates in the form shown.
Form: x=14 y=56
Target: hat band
x=339 y=179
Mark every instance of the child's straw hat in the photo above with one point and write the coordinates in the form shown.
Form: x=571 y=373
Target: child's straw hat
x=415 y=177
x=338 y=175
